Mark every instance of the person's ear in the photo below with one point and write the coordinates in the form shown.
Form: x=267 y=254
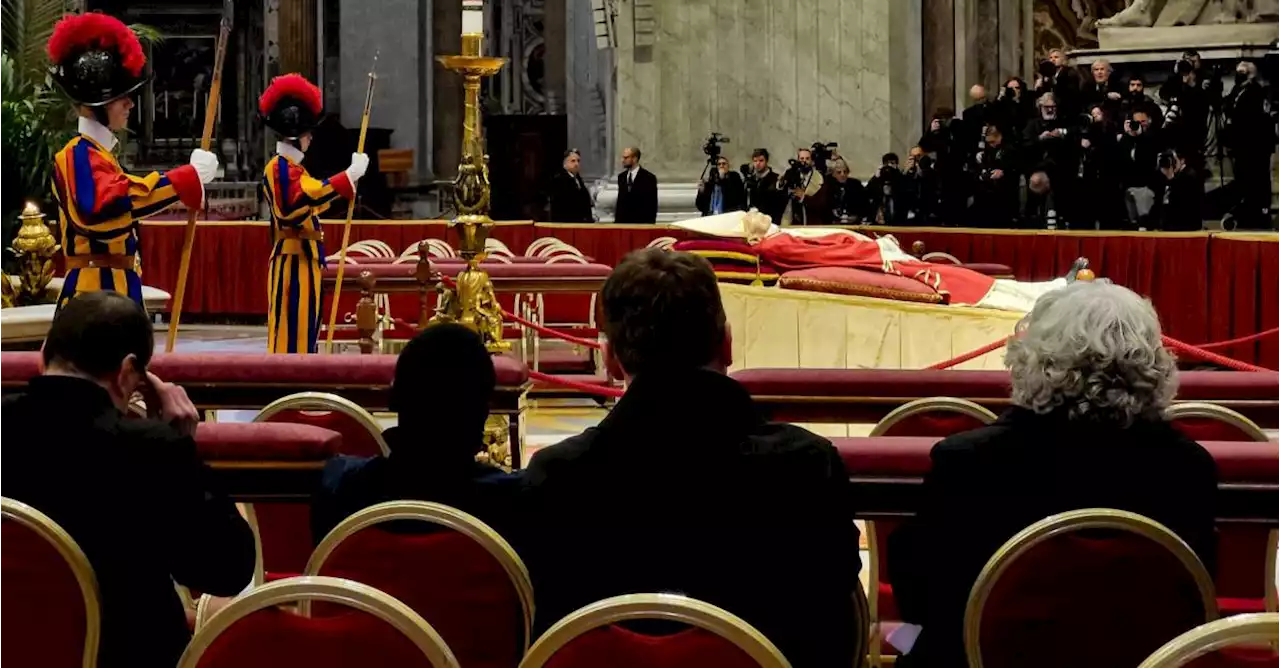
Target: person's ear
x=127 y=379
x=612 y=365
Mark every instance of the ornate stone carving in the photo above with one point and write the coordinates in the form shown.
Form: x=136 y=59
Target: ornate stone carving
x=1165 y=13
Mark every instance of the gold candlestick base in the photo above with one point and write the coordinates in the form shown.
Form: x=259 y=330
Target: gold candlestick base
x=472 y=302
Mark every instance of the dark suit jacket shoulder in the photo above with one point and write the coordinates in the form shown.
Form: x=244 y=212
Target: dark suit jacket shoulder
x=637 y=204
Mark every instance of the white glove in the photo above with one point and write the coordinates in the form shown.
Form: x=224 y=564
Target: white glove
x=359 y=165
x=206 y=164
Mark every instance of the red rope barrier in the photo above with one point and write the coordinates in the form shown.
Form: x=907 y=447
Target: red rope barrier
x=961 y=359
x=1242 y=339
x=1201 y=354
x=596 y=345
x=598 y=390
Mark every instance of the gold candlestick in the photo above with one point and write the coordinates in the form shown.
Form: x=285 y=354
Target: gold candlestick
x=472 y=302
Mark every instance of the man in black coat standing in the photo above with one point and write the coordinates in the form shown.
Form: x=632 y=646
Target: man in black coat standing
x=684 y=487
x=132 y=492
x=569 y=199
x=762 y=187
x=637 y=191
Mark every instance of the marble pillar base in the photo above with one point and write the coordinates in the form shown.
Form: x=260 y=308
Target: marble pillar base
x=676 y=201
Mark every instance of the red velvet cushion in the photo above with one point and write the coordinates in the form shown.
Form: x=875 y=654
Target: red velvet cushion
x=449 y=579
x=906 y=383
x=617 y=647
x=988 y=268
x=1208 y=429
x=1209 y=385
x=934 y=423
x=714 y=245
x=302 y=371
x=16 y=368
x=272 y=638
x=1099 y=599
x=356 y=439
x=44 y=621
x=850 y=281
x=264 y=441
x=886 y=456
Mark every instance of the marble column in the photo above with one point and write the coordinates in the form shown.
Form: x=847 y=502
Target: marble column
x=589 y=98
x=937 y=37
x=556 y=41
x=777 y=74
x=297 y=33
x=446 y=117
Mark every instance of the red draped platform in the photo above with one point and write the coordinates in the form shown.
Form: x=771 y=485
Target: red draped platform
x=1206 y=286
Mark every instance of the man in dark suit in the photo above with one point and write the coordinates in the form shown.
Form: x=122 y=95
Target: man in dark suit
x=684 y=488
x=1090 y=380
x=637 y=191
x=443 y=382
x=131 y=492
x=569 y=199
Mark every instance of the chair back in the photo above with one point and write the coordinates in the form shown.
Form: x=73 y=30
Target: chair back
x=284 y=529
x=591 y=637
x=462 y=577
x=375 y=629
x=1242 y=641
x=933 y=416
x=1096 y=587
x=1202 y=421
x=48 y=591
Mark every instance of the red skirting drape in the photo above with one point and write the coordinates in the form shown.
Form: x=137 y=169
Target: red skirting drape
x=1206 y=287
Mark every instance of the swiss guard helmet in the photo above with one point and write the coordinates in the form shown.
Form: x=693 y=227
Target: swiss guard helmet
x=291 y=105
x=96 y=58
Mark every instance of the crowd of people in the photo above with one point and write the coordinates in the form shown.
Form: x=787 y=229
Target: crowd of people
x=1068 y=152
x=683 y=487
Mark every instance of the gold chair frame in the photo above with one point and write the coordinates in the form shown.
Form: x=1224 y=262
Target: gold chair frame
x=1271 y=597
x=329 y=590
x=440 y=515
x=669 y=607
x=1250 y=629
x=1206 y=410
x=55 y=535
x=1070 y=522
x=325 y=401
x=907 y=410
x=932 y=405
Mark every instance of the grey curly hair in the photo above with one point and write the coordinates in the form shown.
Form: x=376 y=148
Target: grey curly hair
x=1093 y=351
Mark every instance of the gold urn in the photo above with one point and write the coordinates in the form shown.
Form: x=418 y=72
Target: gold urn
x=34 y=247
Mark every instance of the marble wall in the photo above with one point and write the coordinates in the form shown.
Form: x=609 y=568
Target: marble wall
x=588 y=92
x=381 y=27
x=769 y=73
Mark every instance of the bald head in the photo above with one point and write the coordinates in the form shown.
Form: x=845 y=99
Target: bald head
x=978 y=93
x=1038 y=183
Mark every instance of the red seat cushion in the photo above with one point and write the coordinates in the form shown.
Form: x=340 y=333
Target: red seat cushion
x=45 y=624
x=1209 y=429
x=265 y=441
x=274 y=637
x=989 y=268
x=850 y=281
x=1098 y=598
x=617 y=647
x=934 y=423
x=356 y=438
x=449 y=579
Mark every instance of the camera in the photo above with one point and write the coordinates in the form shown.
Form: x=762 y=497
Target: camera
x=794 y=176
x=821 y=153
x=1046 y=68
x=1167 y=160
x=1133 y=125
x=1183 y=66
x=712 y=145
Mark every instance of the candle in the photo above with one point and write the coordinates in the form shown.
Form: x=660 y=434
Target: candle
x=472 y=17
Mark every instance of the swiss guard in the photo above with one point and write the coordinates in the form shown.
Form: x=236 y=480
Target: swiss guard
x=291 y=106
x=98 y=61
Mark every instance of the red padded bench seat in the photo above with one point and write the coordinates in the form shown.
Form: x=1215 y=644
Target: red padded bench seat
x=233 y=444
x=866 y=395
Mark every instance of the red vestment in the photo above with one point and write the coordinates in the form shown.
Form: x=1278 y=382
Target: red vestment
x=957 y=285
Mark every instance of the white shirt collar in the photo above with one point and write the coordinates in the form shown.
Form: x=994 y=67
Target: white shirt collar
x=632 y=173
x=98 y=132
x=290 y=152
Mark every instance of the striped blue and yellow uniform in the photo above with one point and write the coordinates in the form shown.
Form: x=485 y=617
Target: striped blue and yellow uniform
x=99 y=207
x=297 y=256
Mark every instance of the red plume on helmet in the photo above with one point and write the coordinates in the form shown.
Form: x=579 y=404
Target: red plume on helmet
x=291 y=105
x=96 y=58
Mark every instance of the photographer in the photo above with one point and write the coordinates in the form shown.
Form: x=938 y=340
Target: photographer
x=884 y=193
x=1102 y=206
x=975 y=118
x=923 y=189
x=1188 y=96
x=1103 y=89
x=762 y=186
x=721 y=191
x=1136 y=153
x=1179 y=193
x=950 y=151
x=1136 y=100
x=995 y=197
x=1041 y=208
x=805 y=204
x=847 y=196
x=1013 y=109
x=1054 y=76
x=1052 y=145
x=1250 y=138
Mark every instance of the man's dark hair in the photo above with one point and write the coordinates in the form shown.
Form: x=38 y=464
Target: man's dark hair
x=572 y=151
x=444 y=380
x=662 y=312
x=95 y=331
x=1136 y=77
x=761 y=153
x=635 y=152
x=944 y=113
x=888 y=158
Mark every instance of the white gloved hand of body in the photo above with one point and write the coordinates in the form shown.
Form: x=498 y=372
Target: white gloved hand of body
x=206 y=164
x=359 y=165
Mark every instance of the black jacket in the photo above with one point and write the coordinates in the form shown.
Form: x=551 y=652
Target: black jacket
x=764 y=196
x=848 y=199
x=1250 y=126
x=1179 y=201
x=1092 y=93
x=684 y=488
x=995 y=200
x=1057 y=155
x=350 y=484
x=136 y=498
x=990 y=483
x=1137 y=159
x=637 y=202
x=569 y=199
x=732 y=189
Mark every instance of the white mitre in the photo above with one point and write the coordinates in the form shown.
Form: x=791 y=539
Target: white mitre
x=747 y=225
